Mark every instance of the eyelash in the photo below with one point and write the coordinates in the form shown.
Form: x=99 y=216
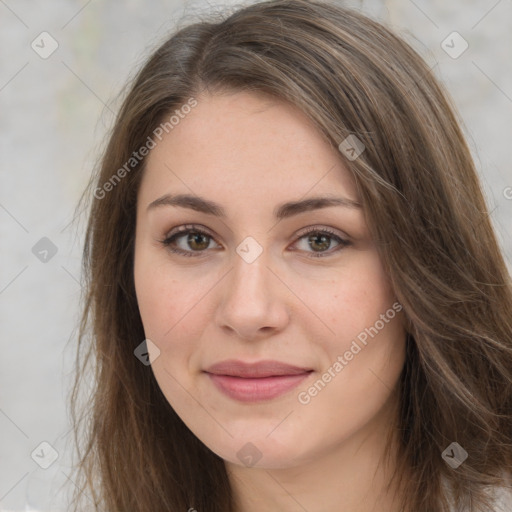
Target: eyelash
x=192 y=228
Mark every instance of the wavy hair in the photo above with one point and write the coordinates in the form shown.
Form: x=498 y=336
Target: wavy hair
x=423 y=203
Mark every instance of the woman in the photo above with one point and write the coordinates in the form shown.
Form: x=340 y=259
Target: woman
x=295 y=296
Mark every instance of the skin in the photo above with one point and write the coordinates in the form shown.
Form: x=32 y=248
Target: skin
x=249 y=154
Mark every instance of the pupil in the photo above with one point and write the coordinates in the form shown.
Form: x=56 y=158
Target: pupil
x=196 y=236
x=325 y=242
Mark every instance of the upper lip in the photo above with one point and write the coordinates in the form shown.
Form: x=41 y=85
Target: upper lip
x=260 y=369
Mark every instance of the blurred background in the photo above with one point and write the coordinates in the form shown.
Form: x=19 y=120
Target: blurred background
x=62 y=66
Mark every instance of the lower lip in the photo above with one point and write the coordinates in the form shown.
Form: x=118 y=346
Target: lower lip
x=256 y=390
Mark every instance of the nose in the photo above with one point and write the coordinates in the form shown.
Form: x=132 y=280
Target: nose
x=253 y=300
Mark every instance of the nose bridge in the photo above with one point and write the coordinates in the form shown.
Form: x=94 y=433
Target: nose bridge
x=250 y=275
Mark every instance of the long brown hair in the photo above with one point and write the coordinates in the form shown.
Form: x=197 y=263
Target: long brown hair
x=426 y=212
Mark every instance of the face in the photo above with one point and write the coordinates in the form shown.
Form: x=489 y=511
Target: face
x=275 y=334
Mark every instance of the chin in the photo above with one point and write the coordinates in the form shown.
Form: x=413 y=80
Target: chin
x=259 y=451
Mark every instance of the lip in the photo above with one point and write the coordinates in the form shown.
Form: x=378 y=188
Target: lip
x=256 y=382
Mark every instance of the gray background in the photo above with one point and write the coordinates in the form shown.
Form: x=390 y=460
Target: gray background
x=54 y=113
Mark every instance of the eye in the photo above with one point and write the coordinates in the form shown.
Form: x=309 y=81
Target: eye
x=320 y=239
x=193 y=240
x=189 y=235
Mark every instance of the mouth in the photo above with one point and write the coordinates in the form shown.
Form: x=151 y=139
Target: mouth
x=256 y=382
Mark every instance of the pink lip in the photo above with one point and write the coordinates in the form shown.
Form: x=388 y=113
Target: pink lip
x=254 y=382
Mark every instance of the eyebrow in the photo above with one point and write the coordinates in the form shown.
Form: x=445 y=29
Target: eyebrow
x=282 y=211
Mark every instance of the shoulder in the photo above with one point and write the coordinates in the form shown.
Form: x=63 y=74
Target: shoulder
x=503 y=499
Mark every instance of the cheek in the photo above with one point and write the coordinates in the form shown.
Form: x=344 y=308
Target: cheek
x=362 y=359
x=351 y=300
x=171 y=304
x=365 y=328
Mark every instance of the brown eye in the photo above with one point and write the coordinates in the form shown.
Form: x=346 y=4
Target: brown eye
x=198 y=241
x=320 y=240
x=191 y=240
x=188 y=241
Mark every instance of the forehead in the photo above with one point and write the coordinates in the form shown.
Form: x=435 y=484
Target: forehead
x=261 y=147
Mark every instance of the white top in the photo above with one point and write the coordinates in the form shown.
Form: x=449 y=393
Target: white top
x=503 y=500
